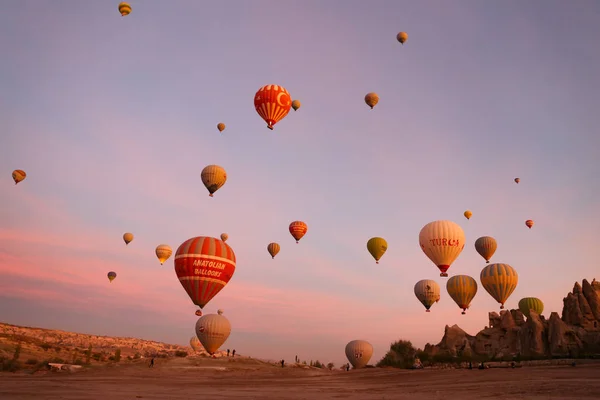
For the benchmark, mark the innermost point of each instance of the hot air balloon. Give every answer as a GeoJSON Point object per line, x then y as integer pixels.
{"type": "Point", "coordinates": [221, 126]}
{"type": "Point", "coordinates": [198, 313]}
{"type": "Point", "coordinates": [127, 237]}
{"type": "Point", "coordinates": [163, 252]}
{"type": "Point", "coordinates": [272, 103]}
{"type": "Point", "coordinates": [18, 175]}
{"type": "Point", "coordinates": [124, 8]}
{"type": "Point", "coordinates": [298, 229]}
{"type": "Point", "coordinates": [468, 214]}
{"type": "Point", "coordinates": [359, 353]}
{"type": "Point", "coordinates": [111, 276]}
{"type": "Point", "coordinates": [213, 177]}
{"type": "Point", "coordinates": [402, 37]}
{"type": "Point", "coordinates": [204, 265]}
{"type": "Point", "coordinates": [529, 223]}
{"type": "Point", "coordinates": [372, 99]}
{"type": "Point", "coordinates": [296, 105]}
{"type": "Point", "coordinates": [531, 303]}
{"type": "Point", "coordinates": [428, 292]}
{"type": "Point", "coordinates": [220, 311]}
{"type": "Point", "coordinates": [195, 343]}
{"type": "Point", "coordinates": [442, 242]}
{"type": "Point", "coordinates": [486, 247]}
{"type": "Point", "coordinates": [212, 330]}
{"type": "Point", "coordinates": [377, 247]}
{"type": "Point", "coordinates": [224, 237]}
{"type": "Point", "coordinates": [462, 289]}
{"type": "Point", "coordinates": [499, 280]}
{"type": "Point", "coordinates": [273, 249]}
{"type": "Point", "coordinates": [517, 180]}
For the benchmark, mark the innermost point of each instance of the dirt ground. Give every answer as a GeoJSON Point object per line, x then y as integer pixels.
{"type": "Point", "coordinates": [191, 378]}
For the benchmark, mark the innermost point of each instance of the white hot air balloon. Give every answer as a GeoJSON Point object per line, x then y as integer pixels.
{"type": "Point", "coordinates": [212, 331]}
{"type": "Point", "coordinates": [428, 292]}
{"type": "Point", "coordinates": [359, 353]}
{"type": "Point", "coordinates": [195, 343]}
{"type": "Point", "coordinates": [442, 242]}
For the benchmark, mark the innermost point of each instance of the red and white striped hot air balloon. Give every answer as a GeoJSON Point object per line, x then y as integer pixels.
{"type": "Point", "coordinates": [204, 265]}
{"type": "Point", "coordinates": [298, 229]}
{"type": "Point", "coordinates": [272, 103]}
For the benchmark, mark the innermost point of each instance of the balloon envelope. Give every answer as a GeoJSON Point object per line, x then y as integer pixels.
{"type": "Point", "coordinates": [462, 289]}
{"type": "Point", "coordinates": [402, 37]}
{"type": "Point", "coordinates": [428, 292]}
{"type": "Point", "coordinates": [499, 280]}
{"type": "Point", "coordinates": [442, 242]}
{"type": "Point", "coordinates": [527, 304]}
{"type": "Point", "coordinates": [298, 229]}
{"type": "Point", "coordinates": [213, 178]}
{"type": "Point", "coordinates": [204, 265]}
{"type": "Point", "coordinates": [224, 237]}
{"type": "Point", "coordinates": [486, 247]}
{"type": "Point", "coordinates": [18, 175]}
{"type": "Point", "coordinates": [195, 343]}
{"type": "Point", "coordinates": [272, 103]}
{"type": "Point", "coordinates": [273, 249]}
{"type": "Point", "coordinates": [111, 276]}
{"type": "Point", "coordinates": [212, 331]}
{"type": "Point", "coordinates": [372, 99]}
{"type": "Point", "coordinates": [359, 352]}
{"type": "Point", "coordinates": [468, 214]}
{"type": "Point", "coordinates": [127, 237]}
{"type": "Point", "coordinates": [377, 247]}
{"type": "Point", "coordinates": [163, 252]}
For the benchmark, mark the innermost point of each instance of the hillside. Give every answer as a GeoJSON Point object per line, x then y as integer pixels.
{"type": "Point", "coordinates": [39, 345]}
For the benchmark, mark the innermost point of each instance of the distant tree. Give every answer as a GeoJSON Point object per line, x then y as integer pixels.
{"type": "Point", "coordinates": [330, 365]}
{"type": "Point", "coordinates": [118, 355]}
{"type": "Point", "coordinates": [88, 354]}
{"type": "Point", "coordinates": [401, 355]}
{"type": "Point", "coordinates": [17, 352]}
{"type": "Point", "coordinates": [318, 364]}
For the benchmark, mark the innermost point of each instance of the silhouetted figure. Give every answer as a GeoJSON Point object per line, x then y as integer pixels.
{"type": "Point", "coordinates": [151, 363]}
{"type": "Point", "coordinates": [233, 353]}
{"type": "Point", "coordinates": [481, 366]}
{"type": "Point", "coordinates": [282, 363]}
{"type": "Point", "coordinates": [513, 364]}
{"type": "Point", "coordinates": [470, 365]}
{"type": "Point", "coordinates": [296, 359]}
{"type": "Point", "coordinates": [347, 367]}
{"type": "Point", "coordinates": [227, 352]}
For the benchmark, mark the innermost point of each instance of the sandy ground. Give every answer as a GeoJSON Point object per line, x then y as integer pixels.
{"type": "Point", "coordinates": [251, 379]}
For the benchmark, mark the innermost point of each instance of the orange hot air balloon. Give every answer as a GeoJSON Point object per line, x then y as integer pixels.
{"type": "Point", "coordinates": [517, 180]}
{"type": "Point", "coordinates": [298, 229]}
{"type": "Point", "coordinates": [272, 103]}
{"type": "Point", "coordinates": [18, 175]}
{"type": "Point", "coordinates": [198, 313]}
{"type": "Point", "coordinates": [529, 223]}
{"type": "Point", "coordinates": [273, 249]}
{"type": "Point", "coordinates": [204, 265]}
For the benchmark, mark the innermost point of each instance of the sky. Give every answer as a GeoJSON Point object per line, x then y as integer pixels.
{"type": "Point", "coordinates": [113, 119]}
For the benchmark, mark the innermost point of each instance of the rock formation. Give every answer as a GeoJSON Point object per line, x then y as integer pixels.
{"type": "Point", "coordinates": [510, 334]}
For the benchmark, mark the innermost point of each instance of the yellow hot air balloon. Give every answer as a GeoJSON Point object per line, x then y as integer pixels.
{"type": "Point", "coordinates": [296, 105]}
{"type": "Point", "coordinates": [428, 292]}
{"type": "Point", "coordinates": [442, 242]}
{"type": "Point", "coordinates": [499, 280]}
{"type": "Point", "coordinates": [221, 126]}
{"type": "Point", "coordinates": [213, 177]}
{"type": "Point", "coordinates": [372, 99]}
{"type": "Point", "coordinates": [163, 252]}
{"type": "Point", "coordinates": [273, 249]}
{"type": "Point", "coordinates": [402, 37]}
{"type": "Point", "coordinates": [195, 344]}
{"type": "Point", "coordinates": [462, 289]}
{"type": "Point", "coordinates": [486, 247]}
{"type": "Point", "coordinates": [224, 237]}
{"type": "Point", "coordinates": [531, 303]}
{"type": "Point", "coordinates": [127, 237]}
{"type": "Point", "coordinates": [359, 352]}
{"type": "Point", "coordinates": [124, 8]}
{"type": "Point", "coordinates": [377, 247]}
{"type": "Point", "coordinates": [212, 331]}
{"type": "Point", "coordinates": [18, 175]}
{"type": "Point", "coordinates": [468, 214]}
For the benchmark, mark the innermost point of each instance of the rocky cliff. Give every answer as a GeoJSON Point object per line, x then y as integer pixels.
{"type": "Point", "coordinates": [574, 334]}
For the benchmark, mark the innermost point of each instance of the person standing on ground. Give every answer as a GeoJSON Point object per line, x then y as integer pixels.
{"type": "Point", "coordinates": [151, 363]}
{"type": "Point", "coordinates": [233, 353]}
{"type": "Point", "coordinates": [227, 352]}
{"type": "Point", "coordinates": [282, 363]}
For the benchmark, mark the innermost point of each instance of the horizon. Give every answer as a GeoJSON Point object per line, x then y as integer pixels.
{"type": "Point", "coordinates": [113, 119]}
